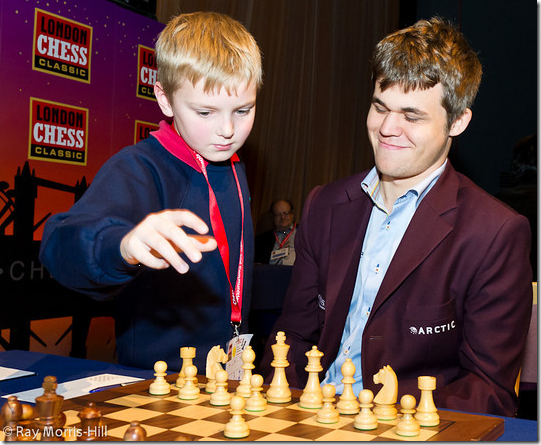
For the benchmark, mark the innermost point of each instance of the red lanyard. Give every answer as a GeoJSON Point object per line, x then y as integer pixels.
{"type": "Point", "coordinates": [221, 238]}
{"type": "Point", "coordinates": [281, 244]}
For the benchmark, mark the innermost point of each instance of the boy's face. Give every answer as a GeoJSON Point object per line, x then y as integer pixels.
{"type": "Point", "coordinates": [408, 131]}
{"type": "Point", "coordinates": [214, 124]}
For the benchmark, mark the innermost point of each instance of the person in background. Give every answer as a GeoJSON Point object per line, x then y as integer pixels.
{"type": "Point", "coordinates": [145, 232]}
{"type": "Point", "coordinates": [411, 264]}
{"type": "Point", "coordinates": [277, 246]}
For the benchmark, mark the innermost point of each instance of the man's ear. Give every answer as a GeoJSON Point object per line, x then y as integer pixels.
{"type": "Point", "coordinates": [461, 123]}
{"type": "Point", "coordinates": [163, 100]}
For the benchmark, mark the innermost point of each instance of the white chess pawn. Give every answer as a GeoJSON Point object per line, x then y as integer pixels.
{"type": "Point", "coordinates": [366, 420]}
{"type": "Point", "coordinates": [248, 356]}
{"type": "Point", "coordinates": [160, 386]}
{"type": "Point", "coordinates": [236, 428]}
{"type": "Point", "coordinates": [190, 390]}
{"type": "Point", "coordinates": [407, 426]}
{"type": "Point", "coordinates": [348, 404]}
{"type": "Point", "coordinates": [220, 397]}
{"type": "Point", "coordinates": [328, 413]}
{"type": "Point", "coordinates": [256, 402]}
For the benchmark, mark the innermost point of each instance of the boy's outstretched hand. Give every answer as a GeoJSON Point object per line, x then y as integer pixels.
{"type": "Point", "coordinates": [157, 240]}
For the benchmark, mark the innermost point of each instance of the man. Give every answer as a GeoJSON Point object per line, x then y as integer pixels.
{"type": "Point", "coordinates": [411, 264]}
{"type": "Point", "coordinates": [277, 246]}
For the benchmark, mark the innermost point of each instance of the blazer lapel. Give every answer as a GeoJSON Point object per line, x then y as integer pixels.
{"type": "Point", "coordinates": [425, 231]}
{"type": "Point", "coordinates": [348, 227]}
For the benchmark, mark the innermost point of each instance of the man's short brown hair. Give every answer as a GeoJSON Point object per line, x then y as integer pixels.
{"type": "Point", "coordinates": [425, 54]}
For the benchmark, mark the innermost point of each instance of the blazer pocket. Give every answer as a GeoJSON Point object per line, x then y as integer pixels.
{"type": "Point", "coordinates": [432, 332]}
{"type": "Point", "coordinates": [431, 313]}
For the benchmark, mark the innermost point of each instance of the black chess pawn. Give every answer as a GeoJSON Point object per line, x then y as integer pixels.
{"type": "Point", "coordinates": [135, 433]}
{"type": "Point", "coordinates": [11, 413]}
{"type": "Point", "coordinates": [90, 423]}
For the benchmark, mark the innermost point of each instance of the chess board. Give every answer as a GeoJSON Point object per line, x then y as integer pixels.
{"type": "Point", "coordinates": [167, 418]}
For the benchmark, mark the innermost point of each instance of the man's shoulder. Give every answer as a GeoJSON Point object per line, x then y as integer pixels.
{"type": "Point", "coordinates": [343, 189]}
{"type": "Point", "coordinates": [472, 195]}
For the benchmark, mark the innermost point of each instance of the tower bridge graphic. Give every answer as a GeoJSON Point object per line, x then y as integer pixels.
{"type": "Point", "coordinates": [27, 291]}
{"type": "Point", "coordinates": [18, 204]}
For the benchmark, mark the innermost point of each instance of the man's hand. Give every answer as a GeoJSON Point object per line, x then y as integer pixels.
{"type": "Point", "coordinates": [157, 240]}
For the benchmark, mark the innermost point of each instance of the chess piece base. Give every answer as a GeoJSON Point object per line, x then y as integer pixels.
{"type": "Point", "coordinates": [329, 419]}
{"type": "Point", "coordinates": [385, 412]}
{"type": "Point", "coordinates": [366, 426]}
{"type": "Point", "coordinates": [427, 419]}
{"type": "Point", "coordinates": [189, 395]}
{"type": "Point", "coordinates": [234, 432]}
{"type": "Point", "coordinates": [159, 390]}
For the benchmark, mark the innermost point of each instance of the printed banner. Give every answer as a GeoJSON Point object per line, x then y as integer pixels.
{"type": "Point", "coordinates": [61, 46]}
{"type": "Point", "coordinates": [58, 132]}
{"type": "Point", "coordinates": [143, 129]}
{"type": "Point", "coordinates": [147, 72]}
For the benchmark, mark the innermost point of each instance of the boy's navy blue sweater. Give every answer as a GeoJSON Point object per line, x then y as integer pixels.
{"type": "Point", "coordinates": [156, 311]}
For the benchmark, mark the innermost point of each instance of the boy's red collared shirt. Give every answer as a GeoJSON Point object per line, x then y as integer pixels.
{"type": "Point", "coordinates": [174, 144]}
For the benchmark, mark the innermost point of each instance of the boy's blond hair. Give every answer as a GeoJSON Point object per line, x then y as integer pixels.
{"type": "Point", "coordinates": [209, 46]}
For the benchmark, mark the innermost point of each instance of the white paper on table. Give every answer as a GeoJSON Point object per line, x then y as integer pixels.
{"type": "Point", "coordinates": [79, 387]}
{"type": "Point", "coordinates": [12, 373]}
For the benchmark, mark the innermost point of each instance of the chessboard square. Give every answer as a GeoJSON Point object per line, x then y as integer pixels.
{"type": "Point", "coordinates": [201, 399]}
{"type": "Point", "coordinates": [421, 437]}
{"type": "Point", "coordinates": [171, 436]}
{"type": "Point", "coordinates": [72, 417]}
{"type": "Point", "coordinates": [162, 406]}
{"type": "Point", "coordinates": [133, 400]}
{"type": "Point", "coordinates": [346, 436]}
{"type": "Point", "coordinates": [225, 416]}
{"type": "Point", "coordinates": [118, 432]}
{"type": "Point", "coordinates": [277, 437]}
{"type": "Point", "coordinates": [200, 428]}
{"type": "Point", "coordinates": [166, 421]}
{"type": "Point", "coordinates": [196, 411]}
{"type": "Point", "coordinates": [300, 408]}
{"type": "Point", "coordinates": [291, 414]}
{"type": "Point", "coordinates": [268, 410]}
{"type": "Point", "coordinates": [268, 424]}
{"type": "Point", "coordinates": [307, 431]}
{"type": "Point", "coordinates": [132, 414]}
{"type": "Point", "coordinates": [342, 422]}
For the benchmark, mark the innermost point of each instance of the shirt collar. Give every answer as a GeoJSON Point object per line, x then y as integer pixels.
{"type": "Point", "coordinates": [289, 229]}
{"type": "Point", "coordinates": [176, 145]}
{"type": "Point", "coordinates": [371, 184]}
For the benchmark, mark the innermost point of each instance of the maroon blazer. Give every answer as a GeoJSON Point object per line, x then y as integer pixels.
{"type": "Point", "coordinates": [454, 304]}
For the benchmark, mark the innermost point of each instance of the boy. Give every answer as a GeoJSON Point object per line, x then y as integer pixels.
{"type": "Point", "coordinates": [169, 201]}
{"type": "Point", "coordinates": [411, 264]}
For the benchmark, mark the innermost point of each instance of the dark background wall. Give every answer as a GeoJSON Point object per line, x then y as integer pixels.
{"type": "Point", "coordinates": [505, 36]}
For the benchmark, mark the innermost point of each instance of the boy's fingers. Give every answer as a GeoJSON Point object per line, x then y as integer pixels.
{"type": "Point", "coordinates": [188, 219]}
{"type": "Point", "coordinates": [205, 243]}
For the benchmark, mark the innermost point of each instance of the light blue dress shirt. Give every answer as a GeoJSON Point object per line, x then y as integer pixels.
{"type": "Point", "coordinates": [383, 235]}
